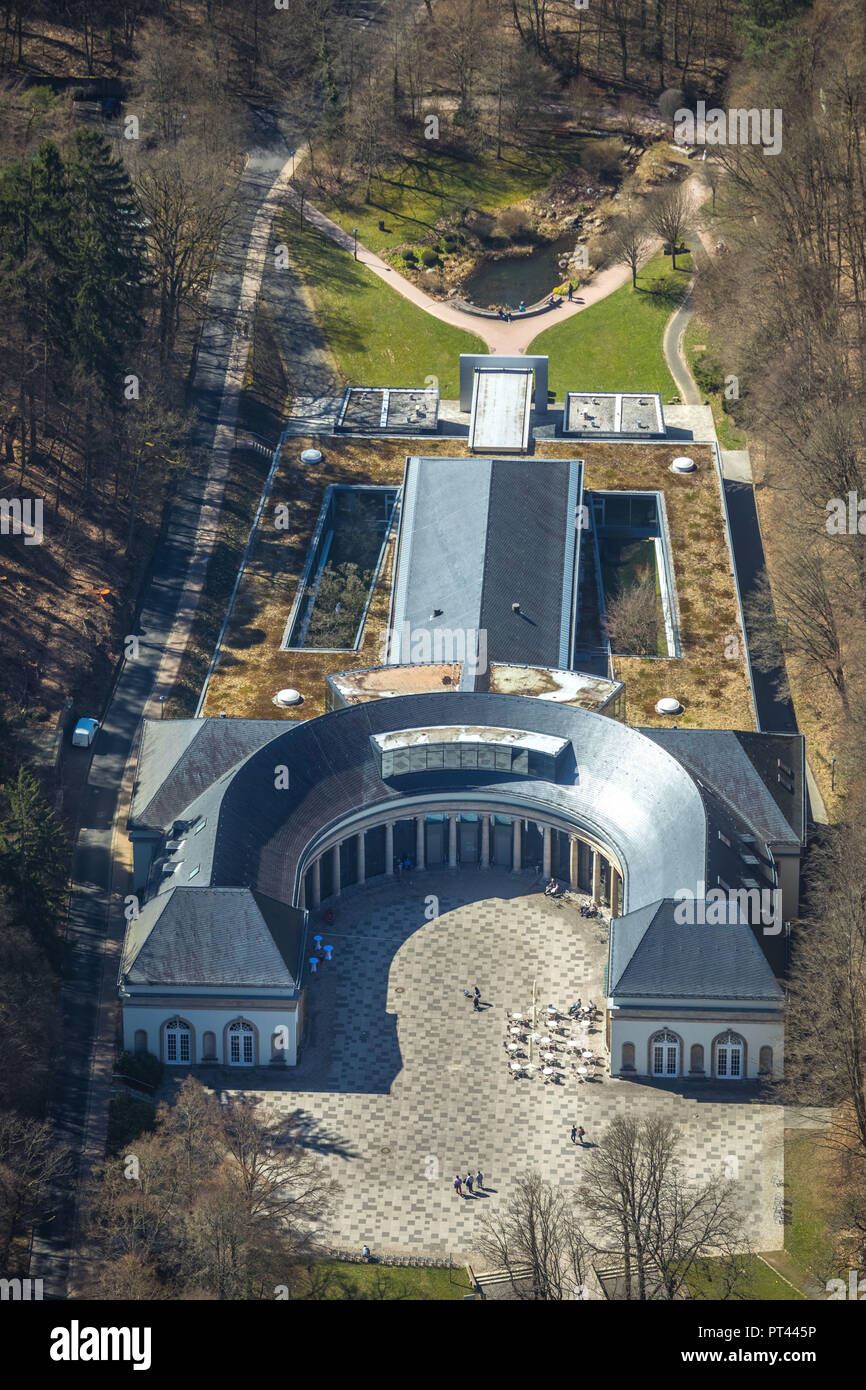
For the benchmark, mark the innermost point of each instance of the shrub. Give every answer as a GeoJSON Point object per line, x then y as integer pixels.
{"type": "Point", "coordinates": [409, 257]}
{"type": "Point", "coordinates": [128, 1119]}
{"type": "Point", "coordinates": [429, 257]}
{"type": "Point", "coordinates": [708, 373]}
{"type": "Point", "coordinates": [141, 1066]}
{"type": "Point", "coordinates": [602, 159]}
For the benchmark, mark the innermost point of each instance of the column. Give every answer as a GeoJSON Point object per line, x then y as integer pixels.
{"type": "Point", "coordinates": [516, 845]}
{"type": "Point", "coordinates": [317, 883]}
{"type": "Point", "coordinates": [596, 876]}
{"type": "Point", "coordinates": [337, 889]}
{"type": "Point", "coordinates": [547, 841]}
{"type": "Point", "coordinates": [573, 860]}
{"type": "Point", "coordinates": [452, 841]}
{"type": "Point", "coordinates": [615, 892]}
{"type": "Point", "coordinates": [362, 857]}
{"type": "Point", "coordinates": [389, 848]}
{"type": "Point", "coordinates": [302, 899]}
{"type": "Point", "coordinates": [419, 841]}
{"type": "Point", "coordinates": [485, 842]}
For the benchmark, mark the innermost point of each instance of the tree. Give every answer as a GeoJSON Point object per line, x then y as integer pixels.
{"type": "Point", "coordinates": [630, 241]}
{"type": "Point", "coordinates": [825, 1030]}
{"type": "Point", "coordinates": [537, 1241]}
{"type": "Point", "coordinates": [637, 1189]}
{"type": "Point", "coordinates": [670, 216]}
{"type": "Point", "coordinates": [34, 849]}
{"type": "Point", "coordinates": [631, 621]}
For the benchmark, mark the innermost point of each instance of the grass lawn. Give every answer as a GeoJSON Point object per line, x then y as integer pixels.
{"type": "Point", "coordinates": [415, 198]}
{"type": "Point", "coordinates": [809, 1188]}
{"type": "Point", "coordinates": [377, 338]}
{"type": "Point", "coordinates": [338, 1279]}
{"type": "Point", "coordinates": [698, 333]}
{"type": "Point", "coordinates": [616, 345]}
{"type": "Point", "coordinates": [759, 1282]}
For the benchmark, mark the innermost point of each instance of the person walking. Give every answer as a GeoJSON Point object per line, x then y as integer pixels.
{"type": "Point", "coordinates": [479, 1180]}
{"type": "Point", "coordinates": [570, 291]}
{"type": "Point", "coordinates": [476, 1003]}
{"type": "Point", "coordinates": [580, 1133]}
{"type": "Point", "coordinates": [458, 1185]}
{"type": "Point", "coordinates": [365, 1253]}
{"type": "Point", "coordinates": [469, 1180]}
{"type": "Point", "coordinates": [574, 1134]}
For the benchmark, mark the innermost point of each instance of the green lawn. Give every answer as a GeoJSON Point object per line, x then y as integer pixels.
{"type": "Point", "coordinates": [419, 194]}
{"type": "Point", "coordinates": [616, 345]}
{"type": "Point", "coordinates": [810, 1202]}
{"type": "Point", "coordinates": [377, 338]}
{"type": "Point", "coordinates": [697, 332]}
{"type": "Point", "coordinates": [336, 1279]}
{"type": "Point", "coordinates": [758, 1283]}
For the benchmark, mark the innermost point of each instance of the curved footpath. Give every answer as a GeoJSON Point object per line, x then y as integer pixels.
{"type": "Point", "coordinates": [509, 338]}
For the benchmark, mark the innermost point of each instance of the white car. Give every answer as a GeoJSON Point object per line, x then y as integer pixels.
{"type": "Point", "coordinates": [84, 733]}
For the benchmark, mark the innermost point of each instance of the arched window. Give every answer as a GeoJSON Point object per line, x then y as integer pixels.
{"type": "Point", "coordinates": [729, 1057]}
{"type": "Point", "coordinates": [765, 1061]}
{"type": "Point", "coordinates": [140, 1043]}
{"type": "Point", "coordinates": [628, 1056]}
{"type": "Point", "coordinates": [208, 1047]}
{"type": "Point", "coordinates": [178, 1041]}
{"type": "Point", "coordinates": [665, 1054]}
{"type": "Point", "coordinates": [241, 1044]}
{"type": "Point", "coordinates": [697, 1057]}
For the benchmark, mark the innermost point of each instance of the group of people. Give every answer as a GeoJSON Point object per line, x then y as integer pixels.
{"type": "Point", "coordinates": [470, 1182]}
{"type": "Point", "coordinates": [475, 997]}
{"type": "Point", "coordinates": [552, 889]}
{"type": "Point", "coordinates": [589, 909]}
{"type": "Point", "coordinates": [581, 1010]}
{"type": "Point", "coordinates": [402, 862]}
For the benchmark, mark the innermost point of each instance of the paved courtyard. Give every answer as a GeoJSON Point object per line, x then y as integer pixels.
{"type": "Point", "coordinates": [401, 1083]}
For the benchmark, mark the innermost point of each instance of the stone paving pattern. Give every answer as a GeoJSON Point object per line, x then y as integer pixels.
{"type": "Point", "coordinates": [401, 1083]}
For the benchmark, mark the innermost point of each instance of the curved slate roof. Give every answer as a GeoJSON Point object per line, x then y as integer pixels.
{"type": "Point", "coordinates": [616, 783]}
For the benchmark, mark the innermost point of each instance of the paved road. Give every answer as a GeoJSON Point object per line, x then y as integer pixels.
{"type": "Point", "coordinates": [95, 930]}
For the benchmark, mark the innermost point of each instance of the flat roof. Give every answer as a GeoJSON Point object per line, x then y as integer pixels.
{"type": "Point", "coordinates": [628, 414]}
{"type": "Point", "coordinates": [536, 682]}
{"type": "Point", "coordinates": [378, 409]}
{"type": "Point", "coordinates": [501, 408]}
{"type": "Point", "coordinates": [472, 533]}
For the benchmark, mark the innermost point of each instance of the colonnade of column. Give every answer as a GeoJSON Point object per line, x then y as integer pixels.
{"type": "Point", "coordinates": [313, 898]}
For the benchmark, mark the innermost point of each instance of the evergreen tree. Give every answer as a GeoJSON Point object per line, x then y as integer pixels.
{"type": "Point", "coordinates": [34, 850]}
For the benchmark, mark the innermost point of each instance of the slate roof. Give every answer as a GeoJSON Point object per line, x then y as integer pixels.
{"type": "Point", "coordinates": [471, 537]}
{"type": "Point", "coordinates": [180, 758]}
{"type": "Point", "coordinates": [636, 793]}
{"type": "Point", "coordinates": [729, 760]}
{"type": "Point", "coordinates": [654, 956]}
{"type": "Point", "coordinates": [214, 937]}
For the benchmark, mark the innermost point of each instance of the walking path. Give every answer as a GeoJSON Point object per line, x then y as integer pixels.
{"type": "Point", "coordinates": [100, 873]}
{"type": "Point", "coordinates": [500, 337]}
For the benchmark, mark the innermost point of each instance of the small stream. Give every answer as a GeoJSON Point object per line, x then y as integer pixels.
{"type": "Point", "coordinates": [507, 280]}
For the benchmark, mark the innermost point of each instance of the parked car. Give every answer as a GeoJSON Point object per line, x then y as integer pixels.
{"type": "Point", "coordinates": [84, 733]}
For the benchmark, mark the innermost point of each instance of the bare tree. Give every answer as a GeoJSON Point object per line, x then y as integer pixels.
{"type": "Point", "coordinates": [536, 1239]}
{"type": "Point", "coordinates": [631, 621]}
{"type": "Point", "coordinates": [630, 241]}
{"type": "Point", "coordinates": [670, 216]}
{"type": "Point", "coordinates": [667, 1226]}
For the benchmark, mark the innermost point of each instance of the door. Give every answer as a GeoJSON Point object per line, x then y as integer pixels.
{"type": "Point", "coordinates": [468, 841]}
{"type": "Point", "coordinates": [665, 1055]}
{"type": "Point", "coordinates": [501, 847]}
{"type": "Point", "coordinates": [435, 843]}
{"type": "Point", "coordinates": [729, 1059]}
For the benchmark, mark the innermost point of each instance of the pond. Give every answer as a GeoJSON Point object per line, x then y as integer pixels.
{"type": "Point", "coordinates": [510, 279]}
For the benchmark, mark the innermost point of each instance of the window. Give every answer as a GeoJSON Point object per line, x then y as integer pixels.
{"type": "Point", "coordinates": [729, 1057]}
{"type": "Point", "coordinates": [140, 1044]}
{"type": "Point", "coordinates": [628, 1056]}
{"type": "Point", "coordinates": [178, 1040]}
{"type": "Point", "coordinates": [241, 1044]}
{"type": "Point", "coordinates": [208, 1047]}
{"type": "Point", "coordinates": [665, 1054]}
{"type": "Point", "coordinates": [765, 1061]}
{"type": "Point", "coordinates": [697, 1057]}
